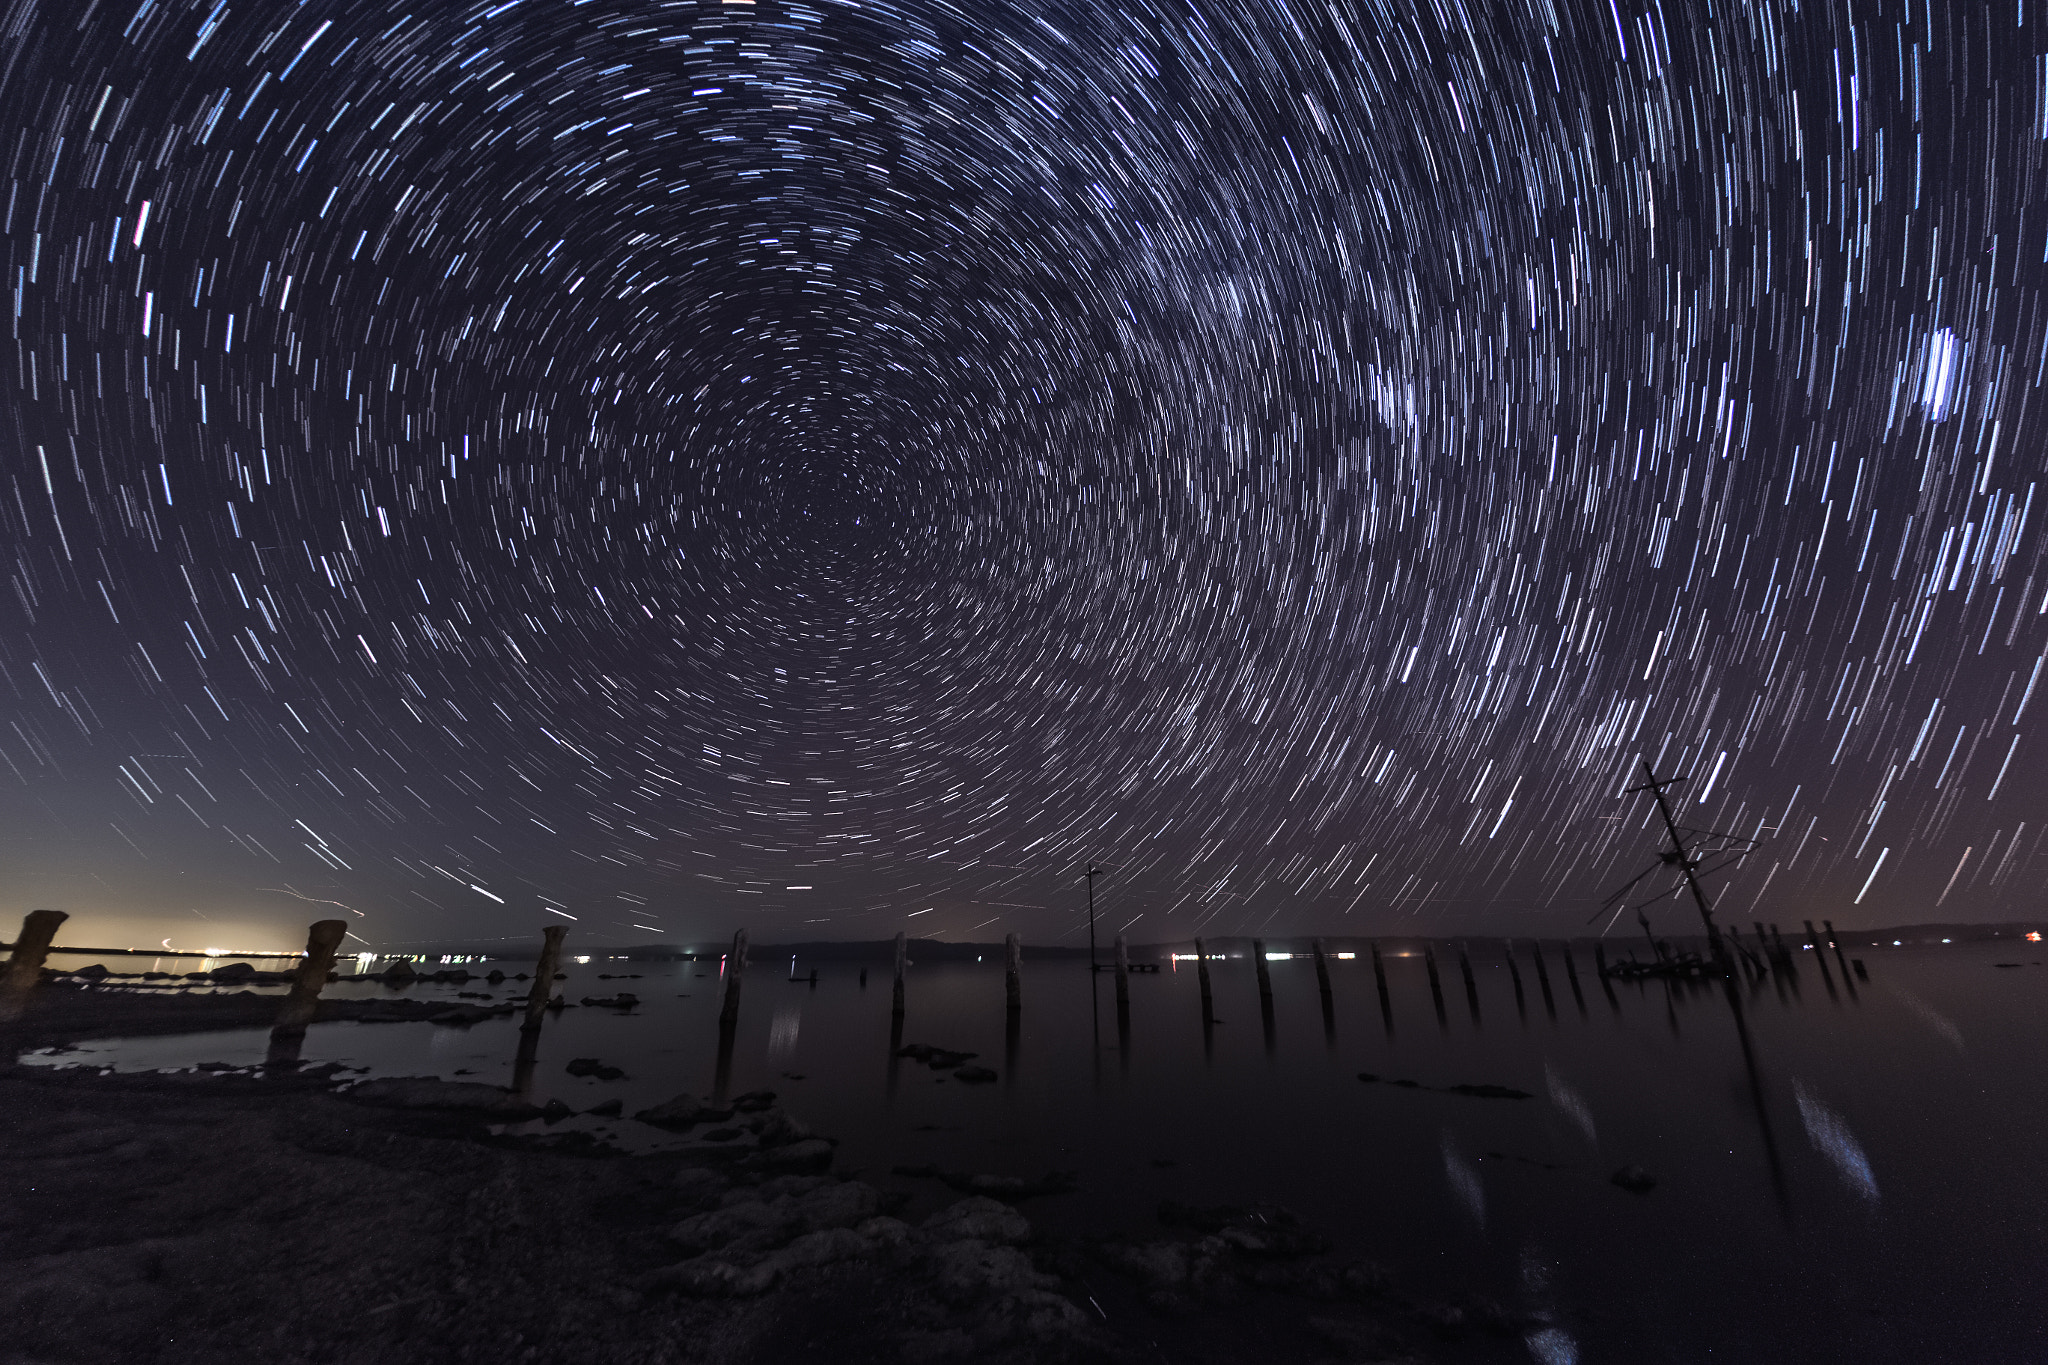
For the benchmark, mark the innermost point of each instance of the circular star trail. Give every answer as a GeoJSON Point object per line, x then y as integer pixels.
{"type": "Point", "coordinates": [840, 467]}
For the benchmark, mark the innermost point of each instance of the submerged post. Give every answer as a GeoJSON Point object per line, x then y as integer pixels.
{"type": "Point", "coordinates": [735, 970]}
{"type": "Point", "coordinates": [25, 966]}
{"type": "Point", "coordinates": [1123, 974]}
{"type": "Point", "coordinates": [544, 974]}
{"type": "Point", "coordinates": [1013, 971]}
{"type": "Point", "coordinates": [1202, 973]}
{"type": "Point", "coordinates": [1322, 971]}
{"type": "Point", "coordinates": [902, 956]}
{"type": "Point", "coordinates": [322, 938]}
{"type": "Point", "coordinates": [1265, 975]}
{"type": "Point", "coordinates": [1436, 985]}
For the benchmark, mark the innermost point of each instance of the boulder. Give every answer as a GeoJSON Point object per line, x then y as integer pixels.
{"type": "Point", "coordinates": [781, 1130]}
{"type": "Point", "coordinates": [968, 1270]}
{"type": "Point", "coordinates": [811, 1154]}
{"type": "Point", "coordinates": [1634, 1179]}
{"type": "Point", "coordinates": [591, 1066]}
{"type": "Point", "coordinates": [427, 1092]}
{"type": "Point", "coordinates": [974, 1075]}
{"type": "Point", "coordinates": [753, 1102]}
{"type": "Point", "coordinates": [978, 1219]}
{"type": "Point", "coordinates": [608, 1110]}
{"type": "Point", "coordinates": [235, 973]}
{"type": "Point", "coordinates": [401, 970]}
{"type": "Point", "coordinates": [684, 1111]}
{"type": "Point", "coordinates": [93, 972]}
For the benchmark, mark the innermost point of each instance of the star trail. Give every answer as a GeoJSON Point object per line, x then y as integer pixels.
{"type": "Point", "coordinates": [838, 467]}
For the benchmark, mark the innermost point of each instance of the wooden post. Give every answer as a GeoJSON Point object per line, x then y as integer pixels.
{"type": "Point", "coordinates": [1840, 961]}
{"type": "Point", "coordinates": [1436, 985]}
{"type": "Point", "coordinates": [1265, 976]}
{"type": "Point", "coordinates": [1322, 971]}
{"type": "Point", "coordinates": [544, 974]}
{"type": "Point", "coordinates": [1543, 976]}
{"type": "Point", "coordinates": [322, 938]}
{"type": "Point", "coordinates": [735, 969]}
{"type": "Point", "coordinates": [1471, 986]}
{"type": "Point", "coordinates": [25, 967]}
{"type": "Point", "coordinates": [902, 957]}
{"type": "Point", "coordinates": [1379, 976]}
{"type": "Point", "coordinates": [1013, 972]}
{"type": "Point", "coordinates": [1123, 974]}
{"type": "Point", "coordinates": [1202, 972]}
{"type": "Point", "coordinates": [1571, 974]}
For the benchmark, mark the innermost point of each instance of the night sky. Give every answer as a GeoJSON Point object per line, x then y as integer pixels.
{"type": "Point", "coordinates": [836, 468]}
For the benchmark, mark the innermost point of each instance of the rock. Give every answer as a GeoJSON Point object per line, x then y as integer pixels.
{"type": "Point", "coordinates": [720, 1135]}
{"type": "Point", "coordinates": [937, 1058]}
{"type": "Point", "coordinates": [684, 1111]}
{"type": "Point", "coordinates": [974, 1075]}
{"type": "Point", "coordinates": [781, 1130]}
{"type": "Point", "coordinates": [624, 1000]}
{"type": "Point", "coordinates": [608, 1110]}
{"type": "Point", "coordinates": [707, 1278]}
{"type": "Point", "coordinates": [235, 973]}
{"type": "Point", "coordinates": [967, 1270]}
{"type": "Point", "coordinates": [495, 976]}
{"type": "Point", "coordinates": [427, 1092]}
{"type": "Point", "coordinates": [884, 1231]}
{"type": "Point", "coordinates": [555, 1111]}
{"type": "Point", "coordinates": [837, 1204]}
{"type": "Point", "coordinates": [591, 1066]}
{"type": "Point", "coordinates": [699, 1185]}
{"type": "Point", "coordinates": [753, 1102]}
{"type": "Point", "coordinates": [1013, 1187]}
{"type": "Point", "coordinates": [811, 1154]}
{"type": "Point", "coordinates": [93, 972]}
{"type": "Point", "coordinates": [822, 1248]}
{"type": "Point", "coordinates": [1488, 1092]}
{"type": "Point", "coordinates": [1634, 1179]}
{"type": "Point", "coordinates": [400, 970]}
{"type": "Point", "coordinates": [978, 1219]}
{"type": "Point", "coordinates": [746, 1226]}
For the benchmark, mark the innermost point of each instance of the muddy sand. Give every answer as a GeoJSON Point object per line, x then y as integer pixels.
{"type": "Point", "coordinates": [290, 1216]}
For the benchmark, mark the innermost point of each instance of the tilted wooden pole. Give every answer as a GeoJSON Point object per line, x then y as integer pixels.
{"type": "Point", "coordinates": [902, 956]}
{"type": "Point", "coordinates": [544, 974]}
{"type": "Point", "coordinates": [1013, 971]}
{"type": "Point", "coordinates": [735, 968]}
{"type": "Point", "coordinates": [1202, 973]}
{"type": "Point", "coordinates": [1123, 973]}
{"type": "Point", "coordinates": [323, 937]}
{"type": "Point", "coordinates": [1265, 976]}
{"type": "Point", "coordinates": [25, 967]}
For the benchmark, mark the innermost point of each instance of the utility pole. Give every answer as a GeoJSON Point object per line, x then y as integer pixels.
{"type": "Point", "coordinates": [1678, 854]}
{"type": "Point", "coordinates": [1092, 873]}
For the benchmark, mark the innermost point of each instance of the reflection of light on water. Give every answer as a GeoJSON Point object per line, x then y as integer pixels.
{"type": "Point", "coordinates": [782, 1032]}
{"type": "Point", "coordinates": [1932, 1017]}
{"type": "Point", "coordinates": [1570, 1102]}
{"type": "Point", "coordinates": [1464, 1182]}
{"type": "Point", "coordinates": [1833, 1140]}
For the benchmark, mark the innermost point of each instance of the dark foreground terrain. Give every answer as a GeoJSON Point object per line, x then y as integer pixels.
{"type": "Point", "coordinates": [287, 1216]}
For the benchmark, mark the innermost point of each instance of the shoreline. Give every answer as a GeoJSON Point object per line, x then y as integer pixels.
{"type": "Point", "coordinates": [272, 1215]}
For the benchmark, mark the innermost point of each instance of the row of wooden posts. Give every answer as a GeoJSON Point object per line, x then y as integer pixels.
{"type": "Point", "coordinates": [38, 932]}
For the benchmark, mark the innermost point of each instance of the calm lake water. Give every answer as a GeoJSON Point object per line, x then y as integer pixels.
{"type": "Point", "coordinates": [1885, 1203]}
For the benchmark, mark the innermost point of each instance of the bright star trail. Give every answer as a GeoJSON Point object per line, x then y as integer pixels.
{"type": "Point", "coordinates": [685, 465]}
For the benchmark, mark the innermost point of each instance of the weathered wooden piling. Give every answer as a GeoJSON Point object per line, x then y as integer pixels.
{"type": "Point", "coordinates": [1013, 972]}
{"type": "Point", "coordinates": [322, 939]}
{"type": "Point", "coordinates": [902, 959]}
{"type": "Point", "coordinates": [1471, 984]}
{"type": "Point", "coordinates": [1123, 974]}
{"type": "Point", "coordinates": [1820, 956]}
{"type": "Point", "coordinates": [1379, 976]}
{"type": "Point", "coordinates": [1543, 976]}
{"type": "Point", "coordinates": [1840, 960]}
{"type": "Point", "coordinates": [1265, 976]}
{"type": "Point", "coordinates": [735, 974]}
{"type": "Point", "coordinates": [1571, 974]}
{"type": "Point", "coordinates": [25, 965]}
{"type": "Point", "coordinates": [1202, 974]}
{"type": "Point", "coordinates": [1322, 971]}
{"type": "Point", "coordinates": [1515, 974]}
{"type": "Point", "coordinates": [544, 974]}
{"type": "Point", "coordinates": [1436, 985]}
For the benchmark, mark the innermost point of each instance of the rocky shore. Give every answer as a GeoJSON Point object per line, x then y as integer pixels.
{"type": "Point", "coordinates": [291, 1216]}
